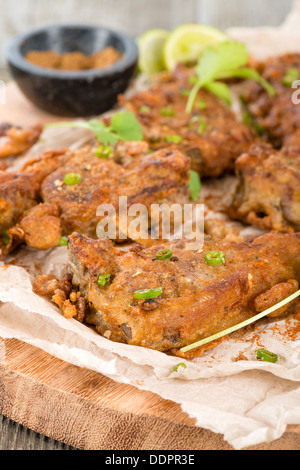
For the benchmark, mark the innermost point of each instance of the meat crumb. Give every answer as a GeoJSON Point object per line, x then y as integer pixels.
{"type": "Point", "coordinates": [241, 357]}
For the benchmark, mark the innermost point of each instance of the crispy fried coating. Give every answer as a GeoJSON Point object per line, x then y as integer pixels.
{"type": "Point", "coordinates": [41, 226]}
{"type": "Point", "coordinates": [268, 192]}
{"type": "Point", "coordinates": [58, 208]}
{"type": "Point", "coordinates": [16, 140]}
{"type": "Point", "coordinates": [277, 115]}
{"type": "Point", "coordinates": [18, 193]}
{"type": "Point", "coordinates": [197, 299]}
{"type": "Point", "coordinates": [211, 135]}
{"type": "Point", "coordinates": [154, 177]}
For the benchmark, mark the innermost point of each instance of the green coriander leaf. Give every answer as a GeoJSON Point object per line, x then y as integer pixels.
{"type": "Point", "coordinates": [194, 185]}
{"type": "Point", "coordinates": [221, 90]}
{"type": "Point", "coordinates": [291, 75]}
{"type": "Point", "coordinates": [227, 60]}
{"type": "Point", "coordinates": [252, 75]}
{"type": "Point", "coordinates": [227, 56]}
{"type": "Point", "coordinates": [101, 131]}
{"type": "Point", "coordinates": [126, 126]}
{"type": "Point", "coordinates": [104, 134]}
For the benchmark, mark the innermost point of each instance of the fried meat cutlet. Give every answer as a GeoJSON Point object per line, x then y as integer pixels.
{"type": "Point", "coordinates": [277, 116]}
{"type": "Point", "coordinates": [211, 134]}
{"type": "Point", "coordinates": [196, 300]}
{"type": "Point", "coordinates": [19, 193]}
{"type": "Point", "coordinates": [48, 207]}
{"type": "Point", "coordinates": [16, 140]}
{"type": "Point", "coordinates": [268, 190]}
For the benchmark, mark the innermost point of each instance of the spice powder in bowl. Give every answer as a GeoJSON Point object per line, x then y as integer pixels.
{"type": "Point", "coordinates": [74, 61]}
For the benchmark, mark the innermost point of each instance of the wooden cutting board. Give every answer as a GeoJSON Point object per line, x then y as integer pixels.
{"type": "Point", "coordinates": [83, 408]}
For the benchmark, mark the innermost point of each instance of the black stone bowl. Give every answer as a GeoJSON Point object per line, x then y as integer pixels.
{"type": "Point", "coordinates": [83, 93]}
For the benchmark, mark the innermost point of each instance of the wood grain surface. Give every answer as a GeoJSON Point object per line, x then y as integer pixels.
{"type": "Point", "coordinates": [88, 411]}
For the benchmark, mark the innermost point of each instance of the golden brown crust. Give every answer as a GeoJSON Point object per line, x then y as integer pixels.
{"type": "Point", "coordinates": [277, 115]}
{"type": "Point", "coordinates": [268, 191]}
{"type": "Point", "coordinates": [197, 299]}
{"type": "Point", "coordinates": [213, 141]}
{"type": "Point", "coordinates": [131, 171]}
{"type": "Point", "coordinates": [15, 140]}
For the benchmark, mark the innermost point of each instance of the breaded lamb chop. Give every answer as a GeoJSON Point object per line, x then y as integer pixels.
{"type": "Point", "coordinates": [193, 299]}
{"type": "Point", "coordinates": [277, 116]}
{"type": "Point", "coordinates": [268, 191]}
{"type": "Point", "coordinates": [15, 140]}
{"type": "Point", "coordinates": [211, 134]}
{"type": "Point", "coordinates": [50, 206]}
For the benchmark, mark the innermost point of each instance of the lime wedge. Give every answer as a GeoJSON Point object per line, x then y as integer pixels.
{"type": "Point", "coordinates": [151, 46]}
{"type": "Point", "coordinates": [186, 43]}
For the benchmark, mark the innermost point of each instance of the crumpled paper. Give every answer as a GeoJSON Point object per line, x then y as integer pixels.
{"type": "Point", "coordinates": [248, 401]}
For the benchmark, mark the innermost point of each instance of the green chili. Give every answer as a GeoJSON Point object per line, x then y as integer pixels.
{"type": "Point", "coordinates": [5, 237]}
{"type": "Point", "coordinates": [181, 364]}
{"type": "Point", "coordinates": [215, 258]}
{"type": "Point", "coordinates": [72, 178]}
{"type": "Point", "coordinates": [103, 279]}
{"type": "Point", "coordinates": [267, 356]}
{"type": "Point", "coordinates": [176, 139]}
{"type": "Point", "coordinates": [163, 254]}
{"type": "Point", "coordinates": [167, 111]}
{"type": "Point", "coordinates": [147, 293]}
{"type": "Point", "coordinates": [103, 151]}
{"type": "Point", "coordinates": [63, 241]}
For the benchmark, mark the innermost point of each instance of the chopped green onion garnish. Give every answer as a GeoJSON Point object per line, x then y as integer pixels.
{"type": "Point", "coordinates": [167, 111]}
{"type": "Point", "coordinates": [249, 121]}
{"type": "Point", "coordinates": [215, 258]}
{"type": "Point", "coordinates": [291, 75]}
{"type": "Point", "coordinates": [202, 124]}
{"type": "Point", "coordinates": [193, 80]}
{"type": "Point", "coordinates": [103, 151]}
{"type": "Point", "coordinates": [200, 103]}
{"type": "Point", "coordinates": [163, 254]}
{"type": "Point", "coordinates": [266, 355]}
{"type": "Point", "coordinates": [176, 139]}
{"type": "Point", "coordinates": [144, 109]}
{"type": "Point", "coordinates": [185, 92]}
{"type": "Point", "coordinates": [5, 237]}
{"type": "Point", "coordinates": [194, 185]}
{"type": "Point", "coordinates": [63, 241]}
{"type": "Point", "coordinates": [103, 279]}
{"type": "Point", "coordinates": [181, 364]}
{"type": "Point", "coordinates": [241, 325]}
{"type": "Point", "coordinates": [147, 293]}
{"type": "Point", "coordinates": [72, 178]}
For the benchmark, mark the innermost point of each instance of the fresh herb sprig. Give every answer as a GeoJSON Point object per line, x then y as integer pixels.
{"type": "Point", "coordinates": [237, 327]}
{"type": "Point", "coordinates": [194, 185]}
{"type": "Point", "coordinates": [123, 126]}
{"type": "Point", "coordinates": [227, 60]}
